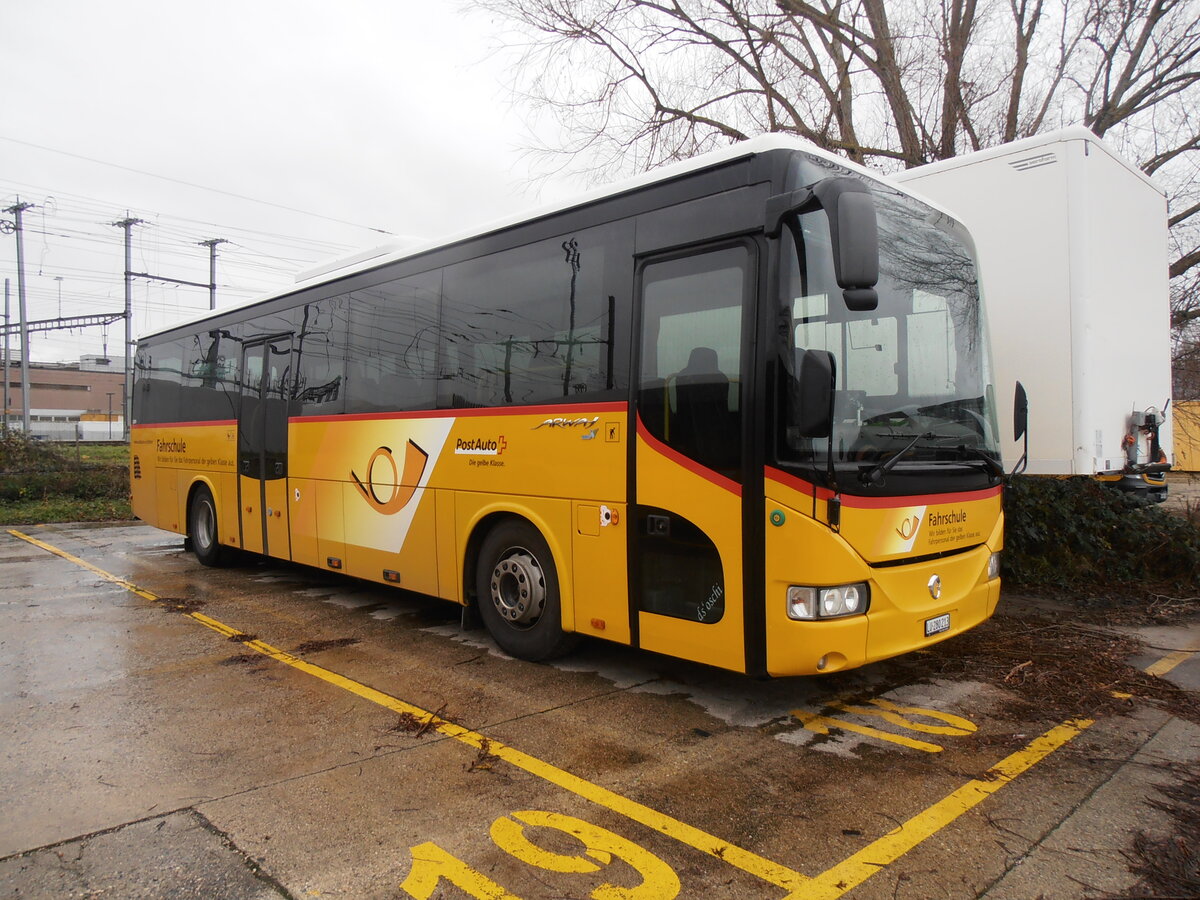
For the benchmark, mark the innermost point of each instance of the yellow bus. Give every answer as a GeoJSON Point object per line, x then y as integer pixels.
{"type": "Point", "coordinates": [736, 411]}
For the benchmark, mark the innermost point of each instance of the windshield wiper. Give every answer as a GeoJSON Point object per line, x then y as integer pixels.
{"type": "Point", "coordinates": [994, 468]}
{"type": "Point", "coordinates": [875, 474]}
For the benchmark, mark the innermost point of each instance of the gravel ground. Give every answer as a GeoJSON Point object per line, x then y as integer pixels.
{"type": "Point", "coordinates": [1184, 492]}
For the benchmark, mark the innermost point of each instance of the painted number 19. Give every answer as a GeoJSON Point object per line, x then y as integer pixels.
{"type": "Point", "coordinates": [431, 863]}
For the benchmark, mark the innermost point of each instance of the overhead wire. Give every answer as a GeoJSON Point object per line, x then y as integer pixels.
{"type": "Point", "coordinates": [190, 184]}
{"type": "Point", "coordinates": [95, 211]}
{"type": "Point", "coordinates": [81, 228]}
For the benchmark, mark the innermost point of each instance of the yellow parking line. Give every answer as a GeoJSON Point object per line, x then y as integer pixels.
{"type": "Point", "coordinates": [856, 869]}
{"type": "Point", "coordinates": [107, 576]}
{"type": "Point", "coordinates": [819, 724]}
{"type": "Point", "coordinates": [745, 860]}
{"type": "Point", "coordinates": [1170, 661]}
{"type": "Point", "coordinates": [830, 884]}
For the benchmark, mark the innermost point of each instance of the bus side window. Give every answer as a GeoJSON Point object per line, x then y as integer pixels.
{"type": "Point", "coordinates": [531, 324]}
{"type": "Point", "coordinates": [703, 416]}
{"type": "Point", "coordinates": [321, 331]}
{"type": "Point", "coordinates": [208, 391]}
{"type": "Point", "coordinates": [160, 375]}
{"type": "Point", "coordinates": [393, 344]}
{"type": "Point", "coordinates": [689, 390]}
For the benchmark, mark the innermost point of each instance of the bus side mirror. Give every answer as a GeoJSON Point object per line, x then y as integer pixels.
{"type": "Point", "coordinates": [1020, 413]}
{"type": "Point", "coordinates": [812, 394]}
{"type": "Point", "coordinates": [1021, 427]}
{"type": "Point", "coordinates": [853, 233]}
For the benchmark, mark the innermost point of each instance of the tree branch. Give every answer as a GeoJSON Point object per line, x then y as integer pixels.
{"type": "Point", "coordinates": [1183, 216]}
{"type": "Point", "coordinates": [1185, 262]}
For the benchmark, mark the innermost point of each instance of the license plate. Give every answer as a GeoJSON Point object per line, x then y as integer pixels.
{"type": "Point", "coordinates": [937, 625]}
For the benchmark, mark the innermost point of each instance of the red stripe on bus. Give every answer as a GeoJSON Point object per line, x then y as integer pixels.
{"type": "Point", "coordinates": [221, 422]}
{"type": "Point", "coordinates": [692, 466]}
{"type": "Point", "coordinates": [558, 411]}
{"type": "Point", "coordinates": [855, 502]}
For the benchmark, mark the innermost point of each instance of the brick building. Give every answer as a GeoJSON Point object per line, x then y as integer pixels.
{"type": "Point", "coordinates": [70, 401]}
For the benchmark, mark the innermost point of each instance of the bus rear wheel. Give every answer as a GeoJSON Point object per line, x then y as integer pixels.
{"type": "Point", "coordinates": [516, 586]}
{"type": "Point", "coordinates": [202, 528]}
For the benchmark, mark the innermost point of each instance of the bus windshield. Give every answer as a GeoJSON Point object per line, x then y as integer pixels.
{"type": "Point", "coordinates": [914, 407]}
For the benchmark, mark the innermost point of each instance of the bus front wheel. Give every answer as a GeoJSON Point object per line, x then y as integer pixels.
{"type": "Point", "coordinates": [202, 528]}
{"type": "Point", "coordinates": [516, 586]}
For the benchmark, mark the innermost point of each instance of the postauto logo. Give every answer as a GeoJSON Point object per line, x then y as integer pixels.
{"type": "Point", "coordinates": [478, 446]}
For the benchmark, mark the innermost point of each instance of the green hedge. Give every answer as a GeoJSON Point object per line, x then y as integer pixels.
{"type": "Point", "coordinates": [85, 483]}
{"type": "Point", "coordinates": [1076, 532]}
{"type": "Point", "coordinates": [31, 470]}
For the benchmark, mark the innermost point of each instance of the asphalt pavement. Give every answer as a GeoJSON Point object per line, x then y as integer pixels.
{"type": "Point", "coordinates": [271, 731]}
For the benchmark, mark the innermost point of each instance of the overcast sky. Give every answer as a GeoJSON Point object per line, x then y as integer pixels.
{"type": "Point", "coordinates": [374, 113]}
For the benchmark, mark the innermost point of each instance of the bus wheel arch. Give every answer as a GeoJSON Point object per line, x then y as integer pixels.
{"type": "Point", "coordinates": [203, 526]}
{"type": "Point", "coordinates": [517, 592]}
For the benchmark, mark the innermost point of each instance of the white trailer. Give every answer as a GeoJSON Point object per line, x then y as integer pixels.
{"type": "Point", "coordinates": [1072, 244]}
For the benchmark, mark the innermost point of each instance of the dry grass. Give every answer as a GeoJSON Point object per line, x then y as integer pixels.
{"type": "Point", "coordinates": [1064, 669]}
{"type": "Point", "coordinates": [417, 726]}
{"type": "Point", "coordinates": [1169, 866]}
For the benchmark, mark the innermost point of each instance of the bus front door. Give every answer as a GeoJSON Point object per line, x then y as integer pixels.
{"type": "Point", "coordinates": [687, 530]}
{"type": "Point", "coordinates": [262, 446]}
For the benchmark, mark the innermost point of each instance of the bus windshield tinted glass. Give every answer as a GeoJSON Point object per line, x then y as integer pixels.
{"type": "Point", "coordinates": [912, 376]}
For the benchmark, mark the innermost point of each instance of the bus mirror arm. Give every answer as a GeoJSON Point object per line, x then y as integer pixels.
{"type": "Point", "coordinates": [810, 398]}
{"type": "Point", "coordinates": [853, 233]}
{"type": "Point", "coordinates": [781, 206]}
{"type": "Point", "coordinates": [1021, 427]}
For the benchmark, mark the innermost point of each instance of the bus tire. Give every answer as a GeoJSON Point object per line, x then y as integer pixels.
{"type": "Point", "coordinates": [516, 587]}
{"type": "Point", "coordinates": [202, 528]}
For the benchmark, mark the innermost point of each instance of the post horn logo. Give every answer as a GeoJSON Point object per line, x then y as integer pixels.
{"type": "Point", "coordinates": [400, 488]}
{"type": "Point", "coordinates": [908, 528]}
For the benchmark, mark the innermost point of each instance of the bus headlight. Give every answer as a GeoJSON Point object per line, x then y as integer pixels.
{"type": "Point", "coordinates": [809, 603]}
{"type": "Point", "coordinates": [993, 566]}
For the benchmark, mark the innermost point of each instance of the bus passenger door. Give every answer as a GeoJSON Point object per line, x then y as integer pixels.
{"type": "Point", "coordinates": [262, 446]}
{"type": "Point", "coordinates": [686, 584]}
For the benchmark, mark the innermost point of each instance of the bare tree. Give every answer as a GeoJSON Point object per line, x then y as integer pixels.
{"type": "Point", "coordinates": [633, 84]}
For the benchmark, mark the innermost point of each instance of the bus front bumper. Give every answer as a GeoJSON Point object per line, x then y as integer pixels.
{"type": "Point", "coordinates": [911, 607]}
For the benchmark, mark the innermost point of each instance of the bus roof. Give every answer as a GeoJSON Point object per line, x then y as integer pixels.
{"type": "Point", "coordinates": [372, 258]}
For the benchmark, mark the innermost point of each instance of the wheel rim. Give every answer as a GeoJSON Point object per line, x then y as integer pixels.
{"type": "Point", "coordinates": [204, 529]}
{"type": "Point", "coordinates": [518, 587]}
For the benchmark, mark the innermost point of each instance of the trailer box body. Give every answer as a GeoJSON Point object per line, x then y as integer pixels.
{"type": "Point", "coordinates": [1072, 246]}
